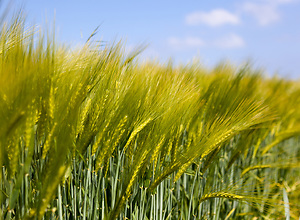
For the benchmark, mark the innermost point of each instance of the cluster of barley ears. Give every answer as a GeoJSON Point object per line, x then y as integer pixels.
{"type": "Point", "coordinates": [93, 133]}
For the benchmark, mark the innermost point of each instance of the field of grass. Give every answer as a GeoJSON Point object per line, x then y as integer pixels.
{"type": "Point", "coordinates": [94, 133]}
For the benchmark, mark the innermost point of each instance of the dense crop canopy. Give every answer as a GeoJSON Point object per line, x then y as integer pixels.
{"type": "Point", "coordinates": [93, 133]}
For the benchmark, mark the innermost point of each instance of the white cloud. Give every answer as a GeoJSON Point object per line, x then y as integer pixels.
{"type": "Point", "coordinates": [194, 42]}
{"type": "Point", "coordinates": [216, 17]}
{"type": "Point", "coordinates": [281, 1]}
{"type": "Point", "coordinates": [230, 41]}
{"type": "Point", "coordinates": [179, 43]}
{"type": "Point", "coordinates": [265, 11]}
{"type": "Point", "coordinates": [151, 53]}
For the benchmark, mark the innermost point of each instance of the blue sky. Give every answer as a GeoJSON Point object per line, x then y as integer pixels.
{"type": "Point", "coordinates": [266, 32]}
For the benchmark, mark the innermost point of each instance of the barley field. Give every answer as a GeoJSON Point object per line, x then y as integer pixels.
{"type": "Point", "coordinates": [95, 133]}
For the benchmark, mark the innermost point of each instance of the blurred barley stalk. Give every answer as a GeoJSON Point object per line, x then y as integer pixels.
{"type": "Point", "coordinates": [94, 134]}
